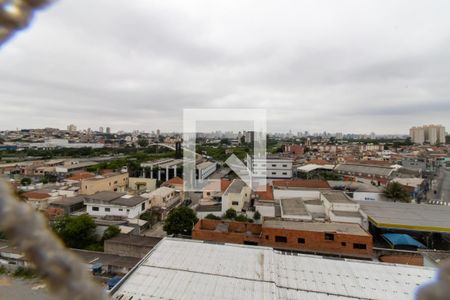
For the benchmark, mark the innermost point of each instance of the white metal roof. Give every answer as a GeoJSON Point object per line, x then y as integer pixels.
{"type": "Point", "coordinates": [187, 269]}
{"type": "Point", "coordinates": [312, 167]}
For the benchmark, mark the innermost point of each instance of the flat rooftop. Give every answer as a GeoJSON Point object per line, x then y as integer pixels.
{"type": "Point", "coordinates": [337, 197]}
{"type": "Point", "coordinates": [189, 269]}
{"type": "Point", "coordinates": [135, 240]}
{"type": "Point", "coordinates": [347, 228]}
{"type": "Point", "coordinates": [408, 216]}
{"type": "Point", "coordinates": [293, 207]}
{"type": "Point", "coordinates": [364, 169]}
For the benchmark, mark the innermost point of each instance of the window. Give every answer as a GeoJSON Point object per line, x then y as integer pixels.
{"type": "Point", "coordinates": [284, 173]}
{"type": "Point", "coordinates": [301, 240]}
{"type": "Point", "coordinates": [143, 206]}
{"type": "Point", "coordinates": [284, 166]}
{"type": "Point", "coordinates": [208, 193]}
{"type": "Point", "coordinates": [95, 208]}
{"type": "Point", "coordinates": [343, 244]}
{"type": "Point", "coordinates": [107, 209]}
{"type": "Point", "coordinates": [274, 173]}
{"type": "Point", "coordinates": [359, 246]}
{"type": "Point", "coordinates": [234, 203]}
{"type": "Point", "coordinates": [250, 243]}
{"type": "Point", "coordinates": [120, 209]}
{"type": "Point", "coordinates": [329, 237]}
{"type": "Point", "coordinates": [280, 239]}
{"type": "Point", "coordinates": [267, 237]}
{"type": "Point", "coordinates": [273, 165]}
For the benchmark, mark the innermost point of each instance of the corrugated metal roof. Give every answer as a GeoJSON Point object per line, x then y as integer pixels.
{"type": "Point", "coordinates": [187, 269]}
{"type": "Point", "coordinates": [410, 216]}
{"type": "Point", "coordinates": [364, 169]}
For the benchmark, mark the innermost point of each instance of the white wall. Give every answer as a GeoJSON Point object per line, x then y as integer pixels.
{"type": "Point", "coordinates": [286, 194]}
{"type": "Point", "coordinates": [367, 196]}
{"type": "Point", "coordinates": [240, 198]}
{"type": "Point", "coordinates": [116, 210]}
{"type": "Point", "coordinates": [266, 210]}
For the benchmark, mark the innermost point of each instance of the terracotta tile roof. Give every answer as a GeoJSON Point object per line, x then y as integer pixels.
{"type": "Point", "coordinates": [224, 184]}
{"type": "Point", "coordinates": [81, 175]}
{"type": "Point", "coordinates": [174, 181]}
{"type": "Point", "coordinates": [36, 195]}
{"type": "Point", "coordinates": [301, 183]}
{"type": "Point", "coordinates": [213, 186]}
{"type": "Point", "coordinates": [266, 195]}
{"type": "Point", "coordinates": [320, 162]}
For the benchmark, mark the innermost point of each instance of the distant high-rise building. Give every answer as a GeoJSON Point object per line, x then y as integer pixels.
{"type": "Point", "coordinates": [108, 130]}
{"type": "Point", "coordinates": [339, 136]}
{"type": "Point", "coordinates": [373, 136]}
{"type": "Point", "coordinates": [71, 128]}
{"type": "Point", "coordinates": [249, 137]}
{"type": "Point", "coordinates": [431, 134]}
{"type": "Point", "coordinates": [100, 129]}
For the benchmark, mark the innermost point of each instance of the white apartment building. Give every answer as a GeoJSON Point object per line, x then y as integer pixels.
{"type": "Point", "coordinates": [235, 196]}
{"type": "Point", "coordinates": [432, 134]}
{"type": "Point", "coordinates": [275, 168]}
{"type": "Point", "coordinates": [104, 204]}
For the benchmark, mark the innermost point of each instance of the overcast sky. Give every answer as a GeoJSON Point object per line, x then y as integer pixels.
{"type": "Point", "coordinates": [340, 66]}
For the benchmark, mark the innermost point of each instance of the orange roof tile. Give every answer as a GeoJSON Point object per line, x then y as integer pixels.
{"type": "Point", "coordinates": [81, 175]}
{"type": "Point", "coordinates": [174, 181]}
{"type": "Point", "coordinates": [36, 195]}
{"type": "Point", "coordinates": [266, 195]}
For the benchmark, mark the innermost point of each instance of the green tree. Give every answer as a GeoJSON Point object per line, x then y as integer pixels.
{"type": "Point", "coordinates": [396, 192]}
{"type": "Point", "coordinates": [212, 217]}
{"type": "Point", "coordinates": [75, 231]}
{"type": "Point", "coordinates": [180, 220]}
{"type": "Point", "coordinates": [143, 143]}
{"type": "Point", "coordinates": [111, 232]}
{"type": "Point", "coordinates": [230, 214]}
{"type": "Point", "coordinates": [25, 181]}
{"type": "Point", "coordinates": [256, 216]}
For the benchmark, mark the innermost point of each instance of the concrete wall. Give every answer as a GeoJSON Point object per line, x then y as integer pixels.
{"type": "Point", "coordinates": [116, 210]}
{"type": "Point", "coordinates": [367, 196]}
{"type": "Point", "coordinates": [240, 198]}
{"type": "Point", "coordinates": [116, 183]}
{"type": "Point", "coordinates": [145, 184]}
{"type": "Point", "coordinates": [285, 194]}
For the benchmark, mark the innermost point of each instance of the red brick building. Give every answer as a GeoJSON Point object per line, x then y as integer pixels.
{"type": "Point", "coordinates": [342, 239]}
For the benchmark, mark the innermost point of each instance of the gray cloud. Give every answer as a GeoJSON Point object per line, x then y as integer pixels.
{"type": "Point", "coordinates": [355, 67]}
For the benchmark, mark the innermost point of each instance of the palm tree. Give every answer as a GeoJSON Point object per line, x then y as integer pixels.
{"type": "Point", "coordinates": [396, 192]}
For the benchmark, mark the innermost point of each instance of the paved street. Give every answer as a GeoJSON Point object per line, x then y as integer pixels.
{"type": "Point", "coordinates": [442, 188]}
{"type": "Point", "coordinates": [157, 230]}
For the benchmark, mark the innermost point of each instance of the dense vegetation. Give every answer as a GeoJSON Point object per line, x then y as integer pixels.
{"type": "Point", "coordinates": [395, 192]}
{"type": "Point", "coordinates": [180, 220]}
